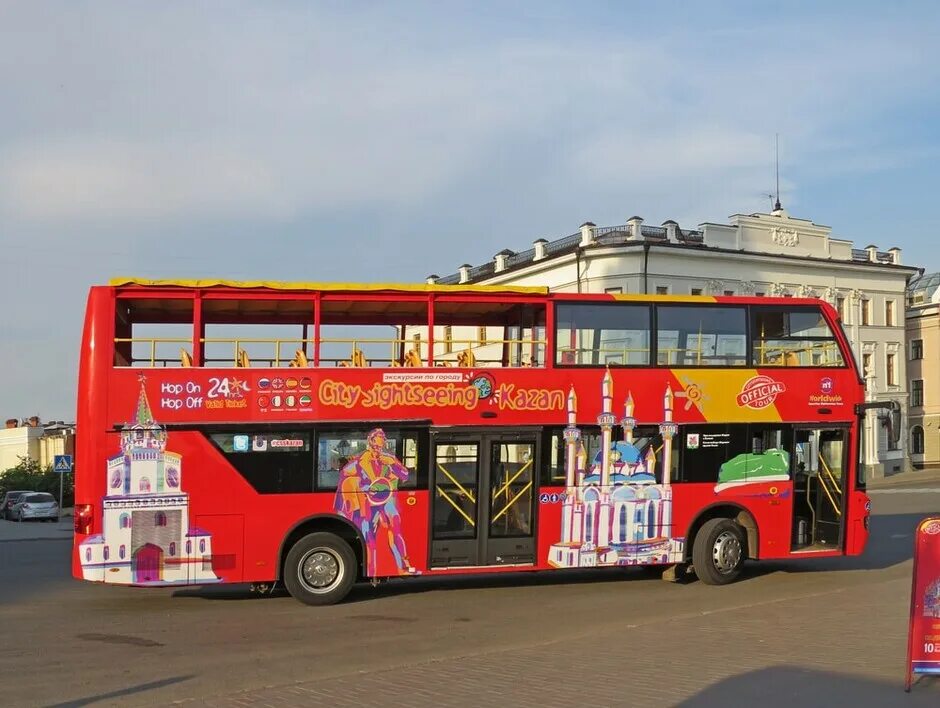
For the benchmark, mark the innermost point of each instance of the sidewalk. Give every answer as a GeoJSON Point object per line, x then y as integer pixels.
{"type": "Point", "coordinates": [914, 478]}
{"type": "Point", "coordinates": [37, 530]}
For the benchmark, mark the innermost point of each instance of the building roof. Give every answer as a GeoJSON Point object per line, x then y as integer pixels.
{"type": "Point", "coordinates": [622, 235]}
{"type": "Point", "coordinates": [925, 284]}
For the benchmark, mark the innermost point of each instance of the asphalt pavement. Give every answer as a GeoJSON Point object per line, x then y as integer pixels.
{"type": "Point", "coordinates": [807, 633]}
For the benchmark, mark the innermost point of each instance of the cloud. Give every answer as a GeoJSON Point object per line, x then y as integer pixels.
{"type": "Point", "coordinates": [303, 140]}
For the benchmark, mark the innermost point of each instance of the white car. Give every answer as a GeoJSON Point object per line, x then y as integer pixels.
{"type": "Point", "coordinates": [36, 505]}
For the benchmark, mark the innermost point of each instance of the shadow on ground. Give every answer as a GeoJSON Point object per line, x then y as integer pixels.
{"type": "Point", "coordinates": [788, 686]}
{"type": "Point", "coordinates": [124, 692]}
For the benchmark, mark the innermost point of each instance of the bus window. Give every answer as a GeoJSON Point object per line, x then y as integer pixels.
{"type": "Point", "coordinates": [271, 462]}
{"type": "Point", "coordinates": [793, 337]}
{"type": "Point", "coordinates": [712, 453]}
{"type": "Point", "coordinates": [338, 453]}
{"type": "Point", "coordinates": [701, 336]}
{"type": "Point", "coordinates": [593, 334]}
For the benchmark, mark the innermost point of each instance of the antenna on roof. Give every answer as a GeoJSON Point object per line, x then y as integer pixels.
{"type": "Point", "coordinates": [777, 206]}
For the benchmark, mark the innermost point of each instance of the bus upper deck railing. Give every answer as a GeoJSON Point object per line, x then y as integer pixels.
{"type": "Point", "coordinates": [363, 352]}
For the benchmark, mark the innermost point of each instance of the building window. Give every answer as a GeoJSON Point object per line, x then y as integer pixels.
{"type": "Point", "coordinates": [729, 292]}
{"type": "Point", "coordinates": [889, 313]}
{"type": "Point", "coordinates": [125, 521]}
{"type": "Point", "coordinates": [88, 555]}
{"type": "Point", "coordinates": [122, 551]}
{"type": "Point", "coordinates": [758, 294]}
{"type": "Point", "coordinates": [202, 545]}
{"type": "Point", "coordinates": [107, 552]}
{"type": "Point", "coordinates": [840, 307]}
{"type": "Point", "coordinates": [613, 291]}
{"type": "Point", "coordinates": [159, 519]}
{"type": "Point", "coordinates": [917, 440]}
{"type": "Point", "coordinates": [866, 364]}
{"type": "Point", "coordinates": [189, 548]}
{"type": "Point", "coordinates": [448, 339]}
{"type": "Point", "coordinates": [866, 312]}
{"type": "Point", "coordinates": [892, 377]}
{"type": "Point", "coordinates": [917, 392]}
{"type": "Point", "coordinates": [144, 485]}
{"type": "Point", "coordinates": [917, 349]}
{"type": "Point", "coordinates": [416, 342]}
{"type": "Point", "coordinates": [662, 289]}
{"type": "Point", "coordinates": [172, 548]}
{"type": "Point", "coordinates": [207, 562]}
{"type": "Point", "coordinates": [695, 291]}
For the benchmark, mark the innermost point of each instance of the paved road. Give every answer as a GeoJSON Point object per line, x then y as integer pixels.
{"type": "Point", "coordinates": [806, 634]}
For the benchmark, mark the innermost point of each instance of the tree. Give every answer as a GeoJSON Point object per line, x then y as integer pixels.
{"type": "Point", "coordinates": [30, 475]}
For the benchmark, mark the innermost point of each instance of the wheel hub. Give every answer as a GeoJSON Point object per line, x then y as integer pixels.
{"type": "Point", "coordinates": [726, 553]}
{"type": "Point", "coordinates": [320, 569]}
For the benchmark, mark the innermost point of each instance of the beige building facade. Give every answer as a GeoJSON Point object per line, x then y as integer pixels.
{"type": "Point", "coordinates": [33, 441]}
{"type": "Point", "coordinates": [923, 368]}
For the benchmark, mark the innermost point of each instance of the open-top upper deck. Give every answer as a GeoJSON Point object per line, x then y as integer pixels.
{"type": "Point", "coordinates": [272, 324]}
{"type": "Point", "coordinates": [221, 352]}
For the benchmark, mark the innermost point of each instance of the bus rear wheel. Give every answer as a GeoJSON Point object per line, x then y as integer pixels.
{"type": "Point", "coordinates": [718, 552]}
{"type": "Point", "coordinates": [320, 569]}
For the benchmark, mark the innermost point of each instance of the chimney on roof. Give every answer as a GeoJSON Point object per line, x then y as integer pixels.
{"type": "Point", "coordinates": [432, 279]}
{"type": "Point", "coordinates": [539, 247]}
{"type": "Point", "coordinates": [895, 255]}
{"type": "Point", "coordinates": [500, 259]}
{"type": "Point", "coordinates": [672, 230]}
{"type": "Point", "coordinates": [636, 227]}
{"type": "Point", "coordinates": [587, 233]}
{"type": "Point", "coordinates": [872, 252]}
{"type": "Point", "coordinates": [465, 273]}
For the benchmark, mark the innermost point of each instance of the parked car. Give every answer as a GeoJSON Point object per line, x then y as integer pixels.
{"type": "Point", "coordinates": [36, 505]}
{"type": "Point", "coordinates": [9, 499]}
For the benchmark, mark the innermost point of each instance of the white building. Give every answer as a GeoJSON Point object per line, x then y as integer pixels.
{"type": "Point", "coordinates": [146, 538]}
{"type": "Point", "coordinates": [772, 255]}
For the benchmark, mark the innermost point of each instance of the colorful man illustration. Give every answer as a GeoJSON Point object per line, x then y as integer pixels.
{"type": "Point", "coordinates": [365, 496]}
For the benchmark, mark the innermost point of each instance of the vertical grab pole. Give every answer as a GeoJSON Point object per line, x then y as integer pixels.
{"type": "Point", "coordinates": [317, 300]}
{"type": "Point", "coordinates": [199, 329]}
{"type": "Point", "coordinates": [431, 329]}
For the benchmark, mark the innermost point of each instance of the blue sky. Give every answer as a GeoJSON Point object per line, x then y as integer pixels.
{"type": "Point", "coordinates": [386, 141]}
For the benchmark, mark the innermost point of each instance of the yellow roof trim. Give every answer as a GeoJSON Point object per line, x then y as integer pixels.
{"type": "Point", "coordinates": [331, 287]}
{"type": "Point", "coordinates": [664, 298]}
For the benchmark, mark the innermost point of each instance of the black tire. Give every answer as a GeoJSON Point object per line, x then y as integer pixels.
{"type": "Point", "coordinates": [719, 551]}
{"type": "Point", "coordinates": [320, 569]}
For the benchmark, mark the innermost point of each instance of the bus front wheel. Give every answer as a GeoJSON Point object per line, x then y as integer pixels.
{"type": "Point", "coordinates": [320, 569]}
{"type": "Point", "coordinates": [718, 552]}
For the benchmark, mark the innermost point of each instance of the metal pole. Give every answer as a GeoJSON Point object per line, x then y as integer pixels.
{"type": "Point", "coordinates": [61, 500]}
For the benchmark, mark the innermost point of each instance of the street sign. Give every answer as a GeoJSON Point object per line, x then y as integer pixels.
{"type": "Point", "coordinates": [62, 464]}
{"type": "Point", "coordinates": [923, 639]}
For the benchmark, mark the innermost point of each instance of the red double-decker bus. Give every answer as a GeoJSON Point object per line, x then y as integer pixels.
{"type": "Point", "coordinates": [319, 435]}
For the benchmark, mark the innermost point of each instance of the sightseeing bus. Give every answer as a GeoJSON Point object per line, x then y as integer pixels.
{"type": "Point", "coordinates": [319, 435]}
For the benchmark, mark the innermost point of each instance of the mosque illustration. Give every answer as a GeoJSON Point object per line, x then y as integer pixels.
{"type": "Point", "coordinates": [146, 538]}
{"type": "Point", "coordinates": [614, 513]}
